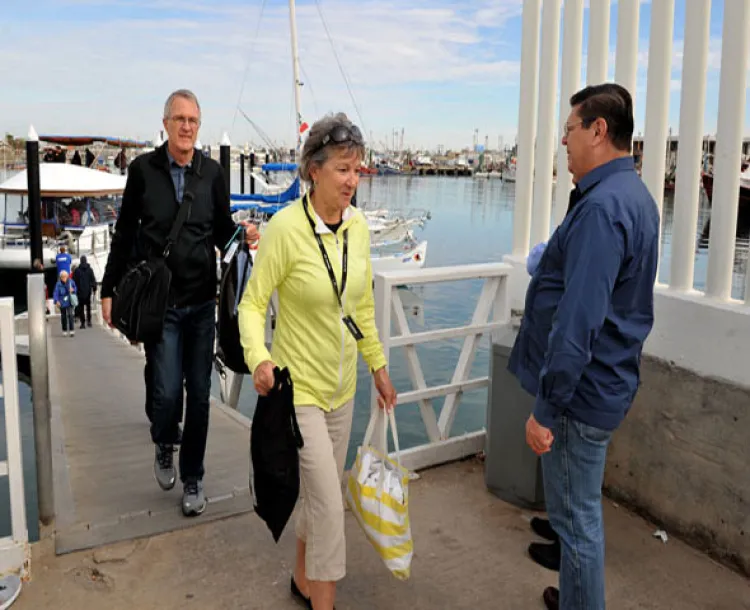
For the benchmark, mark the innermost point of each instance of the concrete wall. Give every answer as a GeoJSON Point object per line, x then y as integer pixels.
{"type": "Point", "coordinates": [682, 458]}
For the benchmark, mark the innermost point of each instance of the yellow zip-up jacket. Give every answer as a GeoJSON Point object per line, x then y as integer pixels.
{"type": "Point", "coordinates": [310, 338]}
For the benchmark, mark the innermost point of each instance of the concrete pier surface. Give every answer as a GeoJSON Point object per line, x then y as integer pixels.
{"type": "Point", "coordinates": [470, 553]}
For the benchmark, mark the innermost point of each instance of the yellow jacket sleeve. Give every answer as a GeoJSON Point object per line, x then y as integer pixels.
{"type": "Point", "coordinates": [370, 347]}
{"type": "Point", "coordinates": [270, 269]}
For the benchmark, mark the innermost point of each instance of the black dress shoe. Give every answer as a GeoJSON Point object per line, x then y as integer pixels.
{"type": "Point", "coordinates": [542, 527]}
{"type": "Point", "coordinates": [299, 597]}
{"type": "Point", "coordinates": [546, 555]}
{"type": "Point", "coordinates": [551, 597]}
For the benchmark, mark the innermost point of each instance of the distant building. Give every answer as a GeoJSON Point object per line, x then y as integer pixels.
{"type": "Point", "coordinates": [670, 150]}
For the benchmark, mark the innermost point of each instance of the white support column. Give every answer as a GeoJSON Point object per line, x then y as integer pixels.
{"type": "Point", "coordinates": [547, 134]}
{"type": "Point", "coordinates": [596, 68]}
{"type": "Point", "coordinates": [735, 38]}
{"type": "Point", "coordinates": [526, 126]}
{"type": "Point", "coordinates": [570, 82]}
{"type": "Point", "coordinates": [657, 97]}
{"type": "Point", "coordinates": [692, 106]}
{"type": "Point", "coordinates": [626, 55]}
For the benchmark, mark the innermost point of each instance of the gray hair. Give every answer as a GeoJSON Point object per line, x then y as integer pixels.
{"type": "Point", "coordinates": [183, 93]}
{"type": "Point", "coordinates": [315, 153]}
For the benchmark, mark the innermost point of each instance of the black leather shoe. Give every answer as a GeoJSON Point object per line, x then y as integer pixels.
{"type": "Point", "coordinates": [542, 527]}
{"type": "Point", "coordinates": [551, 597]}
{"type": "Point", "coordinates": [546, 555]}
{"type": "Point", "coordinates": [299, 597]}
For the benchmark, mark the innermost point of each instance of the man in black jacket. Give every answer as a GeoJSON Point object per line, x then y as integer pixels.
{"type": "Point", "coordinates": [156, 185]}
{"type": "Point", "coordinates": [86, 283]}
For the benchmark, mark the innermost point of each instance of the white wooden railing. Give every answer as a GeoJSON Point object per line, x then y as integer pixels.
{"type": "Point", "coordinates": [492, 313]}
{"type": "Point", "coordinates": [14, 549]}
{"type": "Point", "coordinates": [676, 336]}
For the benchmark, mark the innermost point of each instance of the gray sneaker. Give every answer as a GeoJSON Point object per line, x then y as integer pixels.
{"type": "Point", "coordinates": [193, 499]}
{"type": "Point", "coordinates": [164, 470]}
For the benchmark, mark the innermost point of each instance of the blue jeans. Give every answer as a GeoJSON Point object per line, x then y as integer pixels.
{"type": "Point", "coordinates": [184, 355]}
{"type": "Point", "coordinates": [67, 319]}
{"type": "Point", "coordinates": [573, 474]}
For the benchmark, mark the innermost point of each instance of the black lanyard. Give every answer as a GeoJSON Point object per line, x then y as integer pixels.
{"type": "Point", "coordinates": [327, 261]}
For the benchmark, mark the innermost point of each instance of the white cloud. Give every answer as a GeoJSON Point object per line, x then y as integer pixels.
{"type": "Point", "coordinates": [113, 75]}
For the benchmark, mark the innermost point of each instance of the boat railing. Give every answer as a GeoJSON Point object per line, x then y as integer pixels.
{"type": "Point", "coordinates": [14, 548]}
{"type": "Point", "coordinates": [22, 241]}
{"type": "Point", "coordinates": [491, 315]}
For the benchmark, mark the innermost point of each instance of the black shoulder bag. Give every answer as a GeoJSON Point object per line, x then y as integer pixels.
{"type": "Point", "coordinates": [140, 300]}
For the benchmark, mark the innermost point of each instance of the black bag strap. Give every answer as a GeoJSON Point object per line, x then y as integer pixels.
{"type": "Point", "coordinates": [191, 179]}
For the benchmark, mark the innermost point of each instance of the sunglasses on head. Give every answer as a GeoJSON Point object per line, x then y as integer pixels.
{"type": "Point", "coordinates": [341, 135]}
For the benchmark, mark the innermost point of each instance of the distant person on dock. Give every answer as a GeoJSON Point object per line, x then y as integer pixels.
{"type": "Point", "coordinates": [86, 281]}
{"type": "Point", "coordinates": [316, 254]}
{"type": "Point", "coordinates": [159, 183]}
{"type": "Point", "coordinates": [63, 297]}
{"type": "Point", "coordinates": [63, 261]}
{"type": "Point", "coordinates": [589, 308]}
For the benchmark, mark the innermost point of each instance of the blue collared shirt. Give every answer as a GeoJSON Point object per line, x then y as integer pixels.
{"type": "Point", "coordinates": [590, 306]}
{"type": "Point", "coordinates": [178, 176]}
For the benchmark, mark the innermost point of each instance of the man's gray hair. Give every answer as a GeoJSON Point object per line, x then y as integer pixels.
{"type": "Point", "coordinates": [183, 93]}
{"type": "Point", "coordinates": [315, 153]}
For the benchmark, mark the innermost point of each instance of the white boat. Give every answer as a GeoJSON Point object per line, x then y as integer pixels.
{"type": "Point", "coordinates": [79, 208]}
{"type": "Point", "coordinates": [414, 258]}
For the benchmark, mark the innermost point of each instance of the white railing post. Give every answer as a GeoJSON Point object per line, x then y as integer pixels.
{"type": "Point", "coordinates": [39, 357]}
{"type": "Point", "coordinates": [545, 146]}
{"type": "Point", "coordinates": [526, 127]}
{"type": "Point", "coordinates": [626, 54]}
{"type": "Point", "coordinates": [735, 38]}
{"type": "Point", "coordinates": [570, 82]}
{"type": "Point", "coordinates": [490, 319]}
{"type": "Point", "coordinates": [596, 67]}
{"type": "Point", "coordinates": [13, 551]}
{"type": "Point", "coordinates": [692, 106]}
{"type": "Point", "coordinates": [466, 358]}
{"type": "Point", "coordinates": [657, 97]}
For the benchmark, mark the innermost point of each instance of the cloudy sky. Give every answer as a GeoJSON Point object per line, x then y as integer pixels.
{"type": "Point", "coordinates": [437, 68]}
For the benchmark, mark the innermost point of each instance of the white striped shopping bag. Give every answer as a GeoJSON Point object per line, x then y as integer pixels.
{"type": "Point", "coordinates": [378, 494]}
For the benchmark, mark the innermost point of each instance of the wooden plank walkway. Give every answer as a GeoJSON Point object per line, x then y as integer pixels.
{"type": "Point", "coordinates": [103, 455]}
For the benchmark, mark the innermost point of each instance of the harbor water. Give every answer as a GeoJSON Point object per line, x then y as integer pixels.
{"type": "Point", "coordinates": [471, 222]}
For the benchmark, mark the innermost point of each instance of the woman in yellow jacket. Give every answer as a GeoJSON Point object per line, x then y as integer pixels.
{"type": "Point", "coordinates": [316, 254]}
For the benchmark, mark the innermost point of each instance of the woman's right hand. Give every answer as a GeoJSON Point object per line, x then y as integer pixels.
{"type": "Point", "coordinates": [263, 377]}
{"type": "Point", "coordinates": [107, 310]}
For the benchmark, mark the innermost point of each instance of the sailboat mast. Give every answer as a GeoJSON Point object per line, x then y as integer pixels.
{"type": "Point", "coordinates": [295, 73]}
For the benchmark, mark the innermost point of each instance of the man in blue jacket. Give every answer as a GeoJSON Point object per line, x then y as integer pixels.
{"type": "Point", "coordinates": [588, 311]}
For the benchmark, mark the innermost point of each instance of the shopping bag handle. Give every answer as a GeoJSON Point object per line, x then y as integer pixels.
{"type": "Point", "coordinates": [390, 418]}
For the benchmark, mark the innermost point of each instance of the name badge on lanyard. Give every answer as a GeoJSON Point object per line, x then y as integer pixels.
{"type": "Point", "coordinates": [346, 319]}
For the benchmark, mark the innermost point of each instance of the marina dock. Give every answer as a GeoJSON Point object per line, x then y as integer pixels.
{"type": "Point", "coordinates": [676, 488]}
{"type": "Point", "coordinates": [470, 554]}
{"type": "Point", "coordinates": [103, 455]}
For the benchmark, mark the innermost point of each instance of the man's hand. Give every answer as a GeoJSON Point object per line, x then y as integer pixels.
{"type": "Point", "coordinates": [251, 232]}
{"type": "Point", "coordinates": [107, 310]}
{"type": "Point", "coordinates": [538, 437]}
{"type": "Point", "coordinates": [263, 377]}
{"type": "Point", "coordinates": [386, 392]}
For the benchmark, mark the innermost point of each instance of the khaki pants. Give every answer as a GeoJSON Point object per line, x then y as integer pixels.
{"type": "Point", "coordinates": [320, 520]}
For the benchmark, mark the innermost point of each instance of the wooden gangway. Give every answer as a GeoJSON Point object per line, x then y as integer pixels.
{"type": "Point", "coordinates": [104, 485]}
